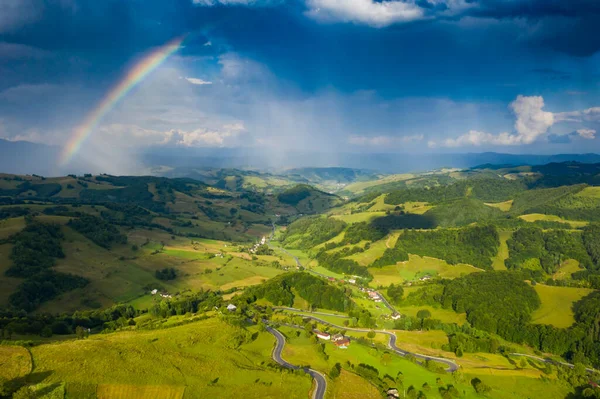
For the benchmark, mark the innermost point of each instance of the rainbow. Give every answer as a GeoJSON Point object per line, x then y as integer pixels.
{"type": "Point", "coordinates": [136, 74]}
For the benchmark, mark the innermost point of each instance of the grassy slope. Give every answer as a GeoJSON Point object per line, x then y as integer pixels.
{"type": "Point", "coordinates": [416, 267]}
{"type": "Point", "coordinates": [532, 217]}
{"type": "Point", "coordinates": [556, 304]}
{"type": "Point", "coordinates": [498, 261]}
{"type": "Point", "coordinates": [189, 356]}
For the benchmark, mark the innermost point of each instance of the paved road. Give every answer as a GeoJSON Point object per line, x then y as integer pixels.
{"type": "Point", "coordinates": [546, 360]}
{"type": "Point", "coordinates": [450, 365]}
{"type": "Point", "coordinates": [319, 392]}
{"type": "Point", "coordinates": [386, 303]}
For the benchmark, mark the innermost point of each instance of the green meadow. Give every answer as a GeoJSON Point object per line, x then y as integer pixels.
{"type": "Point", "coordinates": [557, 304]}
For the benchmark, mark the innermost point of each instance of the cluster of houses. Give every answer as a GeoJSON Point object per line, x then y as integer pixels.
{"type": "Point", "coordinates": [373, 295]}
{"type": "Point", "coordinates": [254, 248]}
{"type": "Point", "coordinates": [338, 340]}
{"type": "Point", "coordinates": [162, 294]}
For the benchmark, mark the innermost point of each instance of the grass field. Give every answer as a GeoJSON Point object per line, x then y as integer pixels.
{"type": "Point", "coordinates": [503, 206]}
{"type": "Point", "coordinates": [360, 187]}
{"type": "Point", "coordinates": [196, 357]}
{"type": "Point", "coordinates": [416, 267]}
{"type": "Point", "coordinates": [15, 362]}
{"type": "Point", "coordinates": [532, 217]}
{"type": "Point", "coordinates": [359, 217]}
{"type": "Point", "coordinates": [121, 391]}
{"type": "Point", "coordinates": [445, 315]}
{"type": "Point", "coordinates": [567, 268]}
{"type": "Point", "coordinates": [417, 207]}
{"type": "Point", "coordinates": [498, 261]}
{"type": "Point", "coordinates": [590, 192]}
{"type": "Point", "coordinates": [556, 305]}
{"type": "Point", "coordinates": [376, 250]}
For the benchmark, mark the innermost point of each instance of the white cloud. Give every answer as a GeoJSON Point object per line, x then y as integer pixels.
{"type": "Point", "coordinates": [588, 115]}
{"type": "Point", "coordinates": [212, 3]}
{"type": "Point", "coordinates": [368, 12]}
{"type": "Point", "coordinates": [197, 81]}
{"type": "Point", "coordinates": [14, 51]}
{"type": "Point", "coordinates": [384, 140]}
{"type": "Point", "coordinates": [532, 122]}
{"type": "Point", "coordinates": [16, 13]}
{"type": "Point", "coordinates": [589, 134]}
{"type": "Point", "coordinates": [207, 44]}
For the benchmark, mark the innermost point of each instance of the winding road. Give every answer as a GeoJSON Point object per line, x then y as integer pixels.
{"type": "Point", "coordinates": [319, 392]}
{"type": "Point", "coordinates": [450, 365]}
{"type": "Point", "coordinates": [550, 361]}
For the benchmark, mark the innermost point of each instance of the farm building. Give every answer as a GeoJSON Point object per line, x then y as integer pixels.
{"type": "Point", "coordinates": [231, 307]}
{"type": "Point", "coordinates": [323, 335]}
{"type": "Point", "coordinates": [342, 343]}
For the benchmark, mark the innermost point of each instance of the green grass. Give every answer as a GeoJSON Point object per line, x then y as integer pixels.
{"type": "Point", "coordinates": [503, 206]}
{"type": "Point", "coordinates": [186, 357]}
{"type": "Point", "coordinates": [15, 362]}
{"type": "Point", "coordinates": [590, 192]}
{"type": "Point", "coordinates": [445, 315]}
{"type": "Point", "coordinates": [533, 217]}
{"type": "Point", "coordinates": [359, 187]}
{"type": "Point", "coordinates": [376, 250]}
{"type": "Point", "coordinates": [415, 268]}
{"type": "Point", "coordinates": [498, 261]}
{"type": "Point", "coordinates": [359, 217]}
{"type": "Point", "coordinates": [556, 305]}
{"type": "Point", "coordinates": [566, 269]}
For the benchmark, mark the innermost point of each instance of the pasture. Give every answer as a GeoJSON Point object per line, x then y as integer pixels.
{"type": "Point", "coordinates": [533, 217]}
{"type": "Point", "coordinates": [498, 261]}
{"type": "Point", "coordinates": [190, 361]}
{"type": "Point", "coordinates": [416, 267]}
{"type": "Point", "coordinates": [556, 304]}
{"type": "Point", "coordinates": [503, 206]}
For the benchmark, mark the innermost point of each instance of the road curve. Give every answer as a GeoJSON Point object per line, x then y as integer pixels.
{"type": "Point", "coordinates": [341, 316]}
{"type": "Point", "coordinates": [450, 365]}
{"type": "Point", "coordinates": [550, 361]}
{"type": "Point", "coordinates": [319, 392]}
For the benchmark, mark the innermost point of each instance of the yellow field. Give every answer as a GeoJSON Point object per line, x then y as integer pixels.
{"type": "Point", "coordinates": [556, 305]}
{"type": "Point", "coordinates": [416, 267]}
{"type": "Point", "coordinates": [15, 362]}
{"type": "Point", "coordinates": [532, 217]}
{"type": "Point", "coordinates": [567, 268]}
{"type": "Point", "coordinates": [593, 192]}
{"type": "Point", "coordinates": [380, 205]}
{"type": "Point", "coordinates": [110, 391]}
{"type": "Point", "coordinates": [417, 207]}
{"type": "Point", "coordinates": [351, 386]}
{"type": "Point", "coordinates": [376, 250]}
{"type": "Point", "coordinates": [498, 261]}
{"type": "Point", "coordinates": [445, 315]}
{"type": "Point", "coordinates": [359, 217]}
{"type": "Point", "coordinates": [503, 206]}
{"type": "Point", "coordinates": [359, 187]}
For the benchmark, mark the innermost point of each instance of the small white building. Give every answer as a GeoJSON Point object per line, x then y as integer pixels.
{"type": "Point", "coordinates": [323, 335]}
{"type": "Point", "coordinates": [154, 291]}
{"type": "Point", "coordinates": [396, 316]}
{"type": "Point", "coordinates": [231, 307]}
{"type": "Point", "coordinates": [352, 281]}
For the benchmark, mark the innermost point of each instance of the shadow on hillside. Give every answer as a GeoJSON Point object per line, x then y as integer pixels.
{"type": "Point", "coordinates": [31, 379]}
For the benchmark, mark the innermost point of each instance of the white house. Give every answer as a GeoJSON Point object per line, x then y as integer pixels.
{"type": "Point", "coordinates": [154, 291]}
{"type": "Point", "coordinates": [231, 307]}
{"type": "Point", "coordinates": [396, 316]}
{"type": "Point", "coordinates": [323, 335]}
{"type": "Point", "coordinates": [352, 281]}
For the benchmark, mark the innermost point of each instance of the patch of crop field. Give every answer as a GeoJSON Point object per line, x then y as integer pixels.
{"type": "Point", "coordinates": [120, 391]}
{"type": "Point", "coordinates": [327, 272]}
{"type": "Point", "coordinates": [15, 362]}
{"type": "Point", "coordinates": [416, 267]}
{"type": "Point", "coordinates": [503, 206]}
{"type": "Point", "coordinates": [375, 251]}
{"type": "Point", "coordinates": [8, 227]}
{"type": "Point", "coordinates": [445, 315]}
{"type": "Point", "coordinates": [533, 217]}
{"type": "Point", "coordinates": [418, 208]}
{"type": "Point", "coordinates": [590, 192]}
{"type": "Point", "coordinates": [336, 239]}
{"type": "Point", "coordinates": [556, 304]}
{"type": "Point", "coordinates": [198, 356]}
{"type": "Point", "coordinates": [352, 386]}
{"type": "Point", "coordinates": [566, 269]}
{"type": "Point", "coordinates": [377, 309]}
{"type": "Point", "coordinates": [498, 261]}
{"type": "Point", "coordinates": [359, 217]}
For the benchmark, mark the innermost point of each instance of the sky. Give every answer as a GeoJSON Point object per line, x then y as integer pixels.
{"type": "Point", "coordinates": [353, 76]}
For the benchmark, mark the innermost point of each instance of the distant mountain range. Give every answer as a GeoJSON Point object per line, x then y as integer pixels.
{"type": "Point", "coordinates": [24, 157]}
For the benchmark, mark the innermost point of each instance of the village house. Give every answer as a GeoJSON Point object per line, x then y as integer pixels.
{"type": "Point", "coordinates": [396, 316]}
{"type": "Point", "coordinates": [231, 307]}
{"type": "Point", "coordinates": [323, 335]}
{"type": "Point", "coordinates": [337, 337]}
{"type": "Point", "coordinates": [154, 291]}
{"type": "Point", "coordinates": [392, 393]}
{"type": "Point", "coordinates": [343, 343]}
{"type": "Point", "coordinates": [425, 278]}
